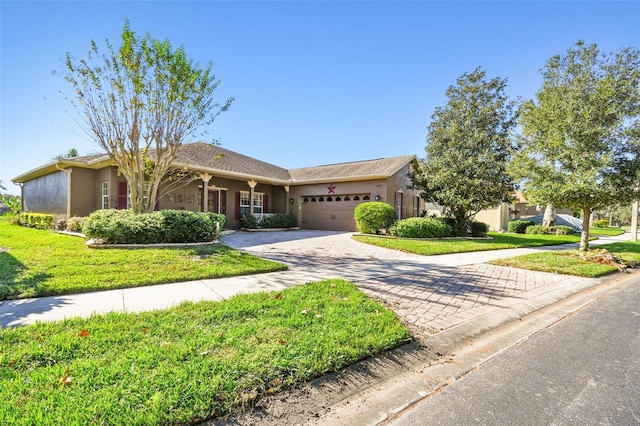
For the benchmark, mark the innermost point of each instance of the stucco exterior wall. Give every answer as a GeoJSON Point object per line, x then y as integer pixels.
{"type": "Point", "coordinates": [83, 191]}
{"type": "Point", "coordinates": [109, 175]}
{"type": "Point", "coordinates": [46, 194]}
{"type": "Point", "coordinates": [401, 196]}
{"type": "Point", "coordinates": [497, 218]}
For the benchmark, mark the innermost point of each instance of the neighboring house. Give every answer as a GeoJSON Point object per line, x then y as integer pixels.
{"type": "Point", "coordinates": [232, 184]}
{"type": "Point", "coordinates": [519, 209]}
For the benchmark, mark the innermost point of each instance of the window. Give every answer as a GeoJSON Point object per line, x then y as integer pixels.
{"type": "Point", "coordinates": [244, 204]}
{"type": "Point", "coordinates": [105, 194]}
{"type": "Point", "coordinates": [258, 203]}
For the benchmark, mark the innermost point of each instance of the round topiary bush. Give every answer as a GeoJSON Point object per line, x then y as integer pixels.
{"type": "Point", "coordinates": [519, 226]}
{"type": "Point", "coordinates": [374, 217]}
{"type": "Point", "coordinates": [602, 223]}
{"type": "Point", "coordinates": [421, 227]}
{"type": "Point", "coordinates": [478, 229]}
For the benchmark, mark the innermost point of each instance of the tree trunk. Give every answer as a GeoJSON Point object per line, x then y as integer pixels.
{"type": "Point", "coordinates": [634, 221]}
{"type": "Point", "coordinates": [611, 217]}
{"type": "Point", "coordinates": [549, 216]}
{"type": "Point", "coordinates": [586, 223]}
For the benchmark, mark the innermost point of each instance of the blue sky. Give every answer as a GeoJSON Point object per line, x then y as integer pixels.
{"type": "Point", "coordinates": [314, 82]}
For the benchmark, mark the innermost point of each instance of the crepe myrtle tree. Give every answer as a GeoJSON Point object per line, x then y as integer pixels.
{"type": "Point", "coordinates": [579, 144]}
{"type": "Point", "coordinates": [468, 148]}
{"type": "Point", "coordinates": [140, 103]}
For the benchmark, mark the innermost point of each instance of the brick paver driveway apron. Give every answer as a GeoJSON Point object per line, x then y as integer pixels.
{"type": "Point", "coordinates": [429, 293]}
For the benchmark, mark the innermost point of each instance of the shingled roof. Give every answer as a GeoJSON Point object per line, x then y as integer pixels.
{"type": "Point", "coordinates": [358, 170]}
{"type": "Point", "coordinates": [204, 157]}
{"type": "Point", "coordinates": [214, 158]}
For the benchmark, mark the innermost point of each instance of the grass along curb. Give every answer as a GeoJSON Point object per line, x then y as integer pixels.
{"type": "Point", "coordinates": [569, 262]}
{"type": "Point", "coordinates": [189, 363]}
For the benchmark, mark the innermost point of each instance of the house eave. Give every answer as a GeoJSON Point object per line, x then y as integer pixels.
{"type": "Point", "coordinates": [232, 175]}
{"type": "Point", "coordinates": [359, 178]}
{"type": "Point", "coordinates": [57, 165]}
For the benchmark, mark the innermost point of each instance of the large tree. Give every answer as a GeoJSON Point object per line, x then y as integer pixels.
{"type": "Point", "coordinates": [578, 147]}
{"type": "Point", "coordinates": [140, 103]}
{"type": "Point", "coordinates": [468, 148]}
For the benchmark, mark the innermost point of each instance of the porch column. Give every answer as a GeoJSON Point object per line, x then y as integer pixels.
{"type": "Point", "coordinates": [206, 177]}
{"type": "Point", "coordinates": [252, 185]}
{"type": "Point", "coordinates": [286, 200]}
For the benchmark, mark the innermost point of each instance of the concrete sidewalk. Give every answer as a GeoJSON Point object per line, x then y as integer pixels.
{"type": "Point", "coordinates": [430, 293]}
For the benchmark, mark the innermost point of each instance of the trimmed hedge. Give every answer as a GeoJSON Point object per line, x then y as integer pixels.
{"type": "Point", "coordinates": [602, 223]}
{"type": "Point", "coordinates": [550, 230]}
{"type": "Point", "coordinates": [478, 229]}
{"type": "Point", "coordinates": [279, 220]}
{"type": "Point", "coordinates": [374, 217]}
{"type": "Point", "coordinates": [75, 224]}
{"type": "Point", "coordinates": [165, 226]}
{"type": "Point", "coordinates": [37, 220]}
{"type": "Point", "coordinates": [421, 227]}
{"type": "Point", "coordinates": [519, 226]}
{"type": "Point", "coordinates": [275, 220]}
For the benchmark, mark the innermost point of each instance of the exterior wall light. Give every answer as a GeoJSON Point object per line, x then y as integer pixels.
{"type": "Point", "coordinates": [377, 197]}
{"type": "Point", "coordinates": [291, 200]}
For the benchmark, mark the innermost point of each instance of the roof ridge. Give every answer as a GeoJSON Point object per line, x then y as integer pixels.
{"type": "Point", "coordinates": [355, 162]}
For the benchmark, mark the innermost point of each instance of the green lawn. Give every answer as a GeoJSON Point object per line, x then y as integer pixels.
{"type": "Point", "coordinates": [497, 241]}
{"type": "Point", "coordinates": [568, 262]}
{"type": "Point", "coordinates": [610, 231]}
{"type": "Point", "coordinates": [40, 263]}
{"type": "Point", "coordinates": [188, 363]}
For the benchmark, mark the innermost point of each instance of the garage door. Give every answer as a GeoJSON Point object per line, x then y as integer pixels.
{"type": "Point", "coordinates": [332, 212]}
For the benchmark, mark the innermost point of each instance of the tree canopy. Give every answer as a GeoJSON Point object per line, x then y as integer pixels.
{"type": "Point", "coordinates": [468, 148]}
{"type": "Point", "coordinates": [579, 146]}
{"type": "Point", "coordinates": [140, 102]}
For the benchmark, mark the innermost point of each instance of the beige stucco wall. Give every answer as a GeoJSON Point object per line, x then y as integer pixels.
{"type": "Point", "coordinates": [497, 218]}
{"type": "Point", "coordinates": [83, 191]}
{"type": "Point", "coordinates": [408, 204]}
{"type": "Point", "coordinates": [109, 175]}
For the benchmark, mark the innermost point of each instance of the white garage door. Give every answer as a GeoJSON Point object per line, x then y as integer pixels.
{"type": "Point", "coordinates": [331, 212]}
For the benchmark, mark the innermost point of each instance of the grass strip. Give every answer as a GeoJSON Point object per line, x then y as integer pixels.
{"type": "Point", "coordinates": [36, 263]}
{"type": "Point", "coordinates": [189, 363]}
{"type": "Point", "coordinates": [568, 262]}
{"type": "Point", "coordinates": [446, 246]}
{"type": "Point", "coordinates": [608, 232]}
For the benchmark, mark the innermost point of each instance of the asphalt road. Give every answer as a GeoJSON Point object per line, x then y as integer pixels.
{"type": "Point", "coordinates": [584, 370]}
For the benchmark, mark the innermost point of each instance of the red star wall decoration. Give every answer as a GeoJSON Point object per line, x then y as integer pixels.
{"type": "Point", "coordinates": [332, 189]}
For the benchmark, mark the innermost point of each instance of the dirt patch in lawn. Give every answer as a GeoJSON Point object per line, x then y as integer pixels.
{"type": "Point", "coordinates": [314, 399]}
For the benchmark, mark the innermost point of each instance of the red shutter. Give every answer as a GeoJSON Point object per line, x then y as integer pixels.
{"type": "Point", "coordinates": [237, 205]}
{"type": "Point", "coordinates": [122, 195]}
{"type": "Point", "coordinates": [265, 200]}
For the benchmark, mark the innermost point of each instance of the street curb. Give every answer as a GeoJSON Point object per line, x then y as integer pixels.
{"type": "Point", "coordinates": [510, 325]}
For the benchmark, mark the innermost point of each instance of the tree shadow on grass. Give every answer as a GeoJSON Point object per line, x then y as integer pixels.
{"type": "Point", "coordinates": [15, 282]}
